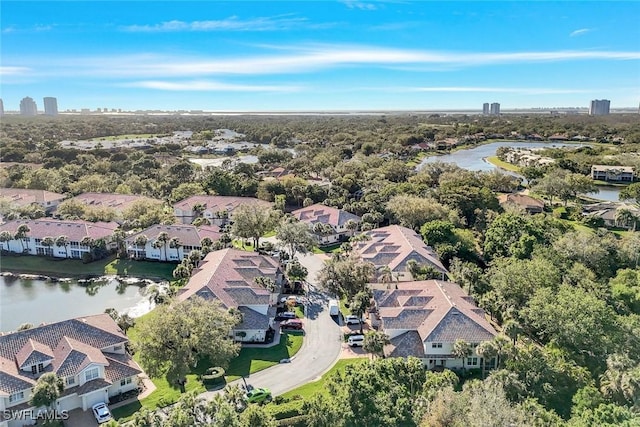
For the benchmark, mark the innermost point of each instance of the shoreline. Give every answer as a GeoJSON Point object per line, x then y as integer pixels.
{"type": "Point", "coordinates": [140, 282]}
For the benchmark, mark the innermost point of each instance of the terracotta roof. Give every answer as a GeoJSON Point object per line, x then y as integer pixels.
{"type": "Point", "coordinates": [23, 196]}
{"type": "Point", "coordinates": [218, 203]}
{"type": "Point", "coordinates": [324, 214]}
{"type": "Point", "coordinates": [118, 202]}
{"type": "Point", "coordinates": [438, 311]}
{"type": "Point", "coordinates": [120, 366]}
{"type": "Point", "coordinates": [74, 230]}
{"type": "Point", "coordinates": [188, 235]}
{"type": "Point", "coordinates": [229, 276]}
{"type": "Point", "coordinates": [33, 353]}
{"type": "Point", "coordinates": [521, 200]}
{"type": "Point", "coordinates": [93, 385]}
{"type": "Point", "coordinates": [394, 246]}
{"type": "Point", "coordinates": [73, 343]}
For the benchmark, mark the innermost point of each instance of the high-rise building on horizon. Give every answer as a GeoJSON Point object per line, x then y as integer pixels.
{"type": "Point", "coordinates": [28, 107]}
{"type": "Point", "coordinates": [495, 108]}
{"type": "Point", "coordinates": [599, 107]}
{"type": "Point", "coordinates": [1, 107]}
{"type": "Point", "coordinates": [50, 106]}
{"type": "Point", "coordinates": [485, 108]}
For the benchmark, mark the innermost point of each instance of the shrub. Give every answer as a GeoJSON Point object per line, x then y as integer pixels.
{"type": "Point", "coordinates": [286, 410]}
{"type": "Point", "coordinates": [86, 258]}
{"type": "Point", "coordinates": [297, 421]}
{"type": "Point", "coordinates": [213, 376]}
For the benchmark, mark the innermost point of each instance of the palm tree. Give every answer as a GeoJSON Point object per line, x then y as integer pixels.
{"type": "Point", "coordinates": [625, 217]}
{"type": "Point", "coordinates": [161, 242]}
{"type": "Point", "coordinates": [487, 351]}
{"type": "Point", "coordinates": [462, 350]}
{"type": "Point", "coordinates": [47, 242]}
{"type": "Point", "coordinates": [47, 390]}
{"type": "Point", "coordinates": [266, 282]}
{"type": "Point", "coordinates": [352, 226]}
{"type": "Point", "coordinates": [195, 256]}
{"type": "Point", "coordinates": [512, 329]}
{"type": "Point", "coordinates": [374, 342]}
{"type": "Point", "coordinates": [119, 237]}
{"type": "Point", "coordinates": [360, 304]}
{"type": "Point", "coordinates": [141, 242]}
{"type": "Point", "coordinates": [86, 241]}
{"type": "Point", "coordinates": [6, 237]}
{"type": "Point", "coordinates": [386, 275]}
{"type": "Point", "coordinates": [64, 242]}
{"type": "Point", "coordinates": [174, 243]}
{"type": "Point", "coordinates": [503, 348]}
{"type": "Point", "coordinates": [21, 234]}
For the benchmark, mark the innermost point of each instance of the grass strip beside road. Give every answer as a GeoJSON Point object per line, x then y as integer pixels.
{"type": "Point", "coordinates": [31, 264]}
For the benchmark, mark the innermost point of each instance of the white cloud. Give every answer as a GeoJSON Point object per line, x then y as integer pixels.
{"type": "Point", "coordinates": [232, 23]}
{"type": "Point", "coordinates": [13, 71]}
{"type": "Point", "coordinates": [580, 32]}
{"type": "Point", "coordinates": [355, 4]}
{"type": "Point", "coordinates": [523, 91]}
{"type": "Point", "coordinates": [207, 85]}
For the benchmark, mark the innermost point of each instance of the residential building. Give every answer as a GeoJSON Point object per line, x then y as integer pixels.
{"type": "Point", "coordinates": [612, 173]}
{"type": "Point", "coordinates": [528, 203]}
{"type": "Point", "coordinates": [599, 107]}
{"type": "Point", "coordinates": [229, 276]}
{"type": "Point", "coordinates": [118, 202]}
{"type": "Point", "coordinates": [1, 107]}
{"type": "Point", "coordinates": [424, 319]}
{"type": "Point", "coordinates": [217, 209]}
{"type": "Point", "coordinates": [50, 106]}
{"type": "Point", "coordinates": [396, 247]}
{"type": "Point", "coordinates": [485, 108]}
{"type": "Point", "coordinates": [24, 197]}
{"type": "Point", "coordinates": [495, 108]}
{"type": "Point", "coordinates": [28, 107]}
{"type": "Point", "coordinates": [614, 214]}
{"type": "Point", "coordinates": [334, 217]}
{"type": "Point", "coordinates": [88, 353]}
{"type": "Point", "coordinates": [187, 238]}
{"type": "Point", "coordinates": [75, 231]}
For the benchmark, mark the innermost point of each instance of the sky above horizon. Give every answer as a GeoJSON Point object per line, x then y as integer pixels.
{"type": "Point", "coordinates": [320, 55]}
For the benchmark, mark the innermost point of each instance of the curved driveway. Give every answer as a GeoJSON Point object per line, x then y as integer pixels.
{"type": "Point", "coordinates": [320, 349]}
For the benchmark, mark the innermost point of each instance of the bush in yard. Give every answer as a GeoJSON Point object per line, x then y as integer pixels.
{"type": "Point", "coordinates": [286, 410]}
{"type": "Point", "coordinates": [297, 421]}
{"type": "Point", "coordinates": [213, 376]}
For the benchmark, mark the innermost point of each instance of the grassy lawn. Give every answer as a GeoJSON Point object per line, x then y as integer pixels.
{"type": "Point", "coordinates": [314, 387]}
{"type": "Point", "coordinates": [494, 160]}
{"type": "Point", "coordinates": [239, 244]}
{"type": "Point", "coordinates": [327, 249]}
{"type": "Point", "coordinates": [251, 360]}
{"type": "Point", "coordinates": [271, 233]}
{"type": "Point", "coordinates": [74, 268]}
{"type": "Point", "coordinates": [415, 160]}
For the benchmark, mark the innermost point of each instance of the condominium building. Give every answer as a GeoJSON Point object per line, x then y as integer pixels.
{"type": "Point", "coordinates": [28, 107]}
{"type": "Point", "coordinates": [599, 107]}
{"type": "Point", "coordinates": [50, 106]}
{"type": "Point", "coordinates": [1, 108]}
{"type": "Point", "coordinates": [495, 108]}
{"type": "Point", "coordinates": [485, 108]}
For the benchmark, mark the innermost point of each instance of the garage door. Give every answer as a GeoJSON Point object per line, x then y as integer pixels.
{"type": "Point", "coordinates": [69, 403]}
{"type": "Point", "coordinates": [95, 397]}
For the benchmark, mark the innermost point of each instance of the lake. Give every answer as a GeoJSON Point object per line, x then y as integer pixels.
{"type": "Point", "coordinates": [474, 159]}
{"type": "Point", "coordinates": [36, 301]}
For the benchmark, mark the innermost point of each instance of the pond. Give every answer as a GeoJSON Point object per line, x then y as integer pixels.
{"type": "Point", "coordinates": [475, 159]}
{"type": "Point", "coordinates": [35, 301]}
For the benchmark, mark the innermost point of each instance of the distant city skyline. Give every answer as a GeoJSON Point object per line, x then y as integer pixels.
{"type": "Point", "coordinates": [313, 56]}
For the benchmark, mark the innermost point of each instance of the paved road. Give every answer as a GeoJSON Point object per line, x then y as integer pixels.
{"type": "Point", "coordinates": [320, 349]}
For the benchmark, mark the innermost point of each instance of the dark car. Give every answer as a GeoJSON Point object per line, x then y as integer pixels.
{"type": "Point", "coordinates": [291, 324]}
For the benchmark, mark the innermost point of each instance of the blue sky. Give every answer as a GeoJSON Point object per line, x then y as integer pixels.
{"type": "Point", "coordinates": [343, 55]}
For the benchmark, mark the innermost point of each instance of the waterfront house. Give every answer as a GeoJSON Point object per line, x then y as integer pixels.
{"type": "Point", "coordinates": [395, 247]}
{"type": "Point", "coordinates": [528, 203]}
{"type": "Point", "coordinates": [217, 209]}
{"type": "Point", "coordinates": [612, 173]}
{"type": "Point", "coordinates": [78, 236]}
{"type": "Point", "coordinates": [181, 240]}
{"type": "Point", "coordinates": [229, 276]}
{"type": "Point", "coordinates": [88, 353]}
{"type": "Point", "coordinates": [23, 197]}
{"type": "Point", "coordinates": [611, 214]}
{"type": "Point", "coordinates": [336, 218]}
{"type": "Point", "coordinates": [424, 319]}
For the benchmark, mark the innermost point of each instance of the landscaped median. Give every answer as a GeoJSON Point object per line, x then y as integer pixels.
{"type": "Point", "coordinates": [249, 361]}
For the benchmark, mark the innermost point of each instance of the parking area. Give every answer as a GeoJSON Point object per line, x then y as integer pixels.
{"type": "Point", "coordinates": [80, 418]}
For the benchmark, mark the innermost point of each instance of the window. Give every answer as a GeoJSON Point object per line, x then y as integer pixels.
{"type": "Point", "coordinates": [71, 380]}
{"type": "Point", "coordinates": [473, 361]}
{"type": "Point", "coordinates": [75, 245]}
{"type": "Point", "coordinates": [40, 367]}
{"type": "Point", "coordinates": [125, 381]}
{"type": "Point", "coordinates": [38, 241]}
{"type": "Point", "coordinates": [16, 397]}
{"type": "Point", "coordinates": [91, 374]}
{"type": "Point", "coordinates": [34, 369]}
{"type": "Point", "coordinates": [436, 345]}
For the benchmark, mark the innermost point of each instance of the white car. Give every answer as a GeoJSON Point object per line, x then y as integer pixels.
{"type": "Point", "coordinates": [292, 299]}
{"type": "Point", "coordinates": [352, 320]}
{"type": "Point", "coordinates": [356, 341]}
{"type": "Point", "coordinates": [101, 412]}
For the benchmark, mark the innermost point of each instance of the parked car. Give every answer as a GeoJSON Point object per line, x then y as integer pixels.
{"type": "Point", "coordinates": [286, 315]}
{"type": "Point", "coordinates": [292, 299]}
{"type": "Point", "coordinates": [356, 341]}
{"type": "Point", "coordinates": [101, 412]}
{"type": "Point", "coordinates": [291, 324]}
{"type": "Point", "coordinates": [352, 320]}
{"type": "Point", "coordinates": [258, 395]}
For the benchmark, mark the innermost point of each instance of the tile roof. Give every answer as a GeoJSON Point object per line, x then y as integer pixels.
{"type": "Point", "coordinates": [120, 366]}
{"type": "Point", "coordinates": [188, 235]}
{"type": "Point", "coordinates": [118, 202]}
{"type": "Point", "coordinates": [324, 214]}
{"type": "Point", "coordinates": [405, 345]}
{"type": "Point", "coordinates": [229, 276]}
{"type": "Point", "coordinates": [438, 311]}
{"type": "Point", "coordinates": [395, 246]}
{"type": "Point", "coordinates": [74, 344]}
{"type": "Point", "coordinates": [521, 200]}
{"type": "Point", "coordinates": [75, 230]}
{"type": "Point", "coordinates": [251, 319]}
{"type": "Point", "coordinates": [219, 203]}
{"type": "Point", "coordinates": [33, 353]}
{"type": "Point", "coordinates": [22, 196]}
